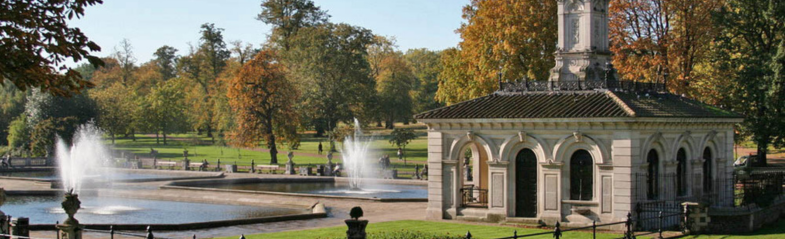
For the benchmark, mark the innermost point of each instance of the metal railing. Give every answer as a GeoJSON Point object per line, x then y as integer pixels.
{"type": "Point", "coordinates": [629, 224]}
{"type": "Point", "coordinates": [635, 86]}
{"type": "Point", "coordinates": [474, 197]}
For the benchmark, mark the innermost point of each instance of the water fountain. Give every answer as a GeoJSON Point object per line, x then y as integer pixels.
{"type": "Point", "coordinates": [354, 155]}
{"type": "Point", "coordinates": [85, 159]}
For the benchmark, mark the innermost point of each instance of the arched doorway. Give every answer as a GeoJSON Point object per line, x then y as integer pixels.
{"type": "Point", "coordinates": [653, 159]}
{"type": "Point", "coordinates": [707, 172]}
{"type": "Point", "coordinates": [526, 184]}
{"type": "Point", "coordinates": [581, 176]}
{"type": "Point", "coordinates": [681, 172]}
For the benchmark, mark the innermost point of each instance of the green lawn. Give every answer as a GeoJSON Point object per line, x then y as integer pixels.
{"type": "Point", "coordinates": [199, 149]}
{"type": "Point", "coordinates": [478, 231]}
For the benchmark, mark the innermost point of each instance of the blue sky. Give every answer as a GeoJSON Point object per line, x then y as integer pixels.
{"type": "Point", "coordinates": [149, 24]}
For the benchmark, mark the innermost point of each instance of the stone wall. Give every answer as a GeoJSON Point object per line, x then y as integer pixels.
{"type": "Point", "coordinates": [740, 220]}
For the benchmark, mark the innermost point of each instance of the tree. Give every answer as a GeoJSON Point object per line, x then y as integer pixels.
{"type": "Point", "coordinates": [287, 17]}
{"type": "Point", "coordinates": [12, 101]}
{"type": "Point", "coordinates": [654, 37]}
{"type": "Point", "coordinates": [166, 61]}
{"type": "Point", "coordinates": [401, 137]}
{"type": "Point", "coordinates": [115, 109]}
{"type": "Point", "coordinates": [454, 85]}
{"type": "Point", "coordinates": [213, 54]}
{"type": "Point", "coordinates": [394, 88]}
{"type": "Point", "coordinates": [328, 63]}
{"type": "Point", "coordinates": [517, 38]}
{"type": "Point", "coordinates": [426, 65]}
{"type": "Point", "coordinates": [263, 100]}
{"type": "Point", "coordinates": [243, 52]}
{"type": "Point", "coordinates": [126, 60]}
{"type": "Point", "coordinates": [35, 42]}
{"type": "Point", "coordinates": [19, 135]}
{"type": "Point", "coordinates": [752, 33]}
{"type": "Point", "coordinates": [166, 107]}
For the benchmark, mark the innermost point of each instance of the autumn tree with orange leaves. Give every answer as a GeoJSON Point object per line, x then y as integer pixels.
{"type": "Point", "coordinates": [653, 39]}
{"type": "Point", "coordinates": [262, 99]}
{"type": "Point", "coordinates": [515, 37]}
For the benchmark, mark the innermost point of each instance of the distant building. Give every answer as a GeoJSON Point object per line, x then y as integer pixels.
{"type": "Point", "coordinates": [583, 146]}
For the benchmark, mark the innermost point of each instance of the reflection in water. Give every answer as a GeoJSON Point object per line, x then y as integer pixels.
{"type": "Point", "coordinates": [107, 210]}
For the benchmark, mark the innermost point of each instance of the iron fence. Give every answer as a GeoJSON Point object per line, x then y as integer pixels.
{"type": "Point", "coordinates": [634, 86]}
{"type": "Point", "coordinates": [474, 197]}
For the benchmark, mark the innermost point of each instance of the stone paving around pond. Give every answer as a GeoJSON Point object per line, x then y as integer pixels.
{"type": "Point", "coordinates": [337, 208]}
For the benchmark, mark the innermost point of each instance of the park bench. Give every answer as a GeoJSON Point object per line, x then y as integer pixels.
{"type": "Point", "coordinates": [198, 165]}
{"type": "Point", "coordinates": [171, 164]}
{"type": "Point", "coordinates": [270, 168]}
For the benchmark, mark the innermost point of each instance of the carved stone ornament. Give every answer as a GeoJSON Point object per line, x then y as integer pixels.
{"type": "Point", "coordinates": [71, 205]}
{"type": "Point", "coordinates": [470, 135]}
{"type": "Point", "coordinates": [522, 136]}
{"type": "Point", "coordinates": [578, 136]}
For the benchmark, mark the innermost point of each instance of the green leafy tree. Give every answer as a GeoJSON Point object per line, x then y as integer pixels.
{"type": "Point", "coordinates": [426, 65]}
{"type": "Point", "coordinates": [401, 137]}
{"type": "Point", "coordinates": [36, 41]}
{"type": "Point", "coordinates": [115, 109]}
{"type": "Point", "coordinates": [752, 32]}
{"type": "Point", "coordinates": [328, 63]}
{"type": "Point", "coordinates": [394, 87]}
{"type": "Point", "coordinates": [213, 54]}
{"type": "Point", "coordinates": [19, 135]}
{"type": "Point", "coordinates": [287, 17]}
{"type": "Point", "coordinates": [166, 61]}
{"type": "Point", "coordinates": [12, 101]}
{"type": "Point", "coordinates": [43, 134]}
{"type": "Point", "coordinates": [166, 106]}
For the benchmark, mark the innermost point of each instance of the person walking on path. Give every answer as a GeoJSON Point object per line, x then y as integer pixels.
{"type": "Point", "coordinates": [320, 147]}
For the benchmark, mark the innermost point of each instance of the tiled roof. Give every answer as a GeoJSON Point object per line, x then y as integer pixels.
{"type": "Point", "coordinates": [575, 104]}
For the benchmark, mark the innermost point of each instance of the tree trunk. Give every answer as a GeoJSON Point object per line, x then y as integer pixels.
{"type": "Point", "coordinates": [156, 138]}
{"type": "Point", "coordinates": [112, 133]}
{"type": "Point", "coordinates": [164, 132]}
{"type": "Point", "coordinates": [210, 133]}
{"type": "Point", "coordinates": [273, 149]}
{"type": "Point", "coordinates": [763, 148]}
{"type": "Point", "coordinates": [133, 134]}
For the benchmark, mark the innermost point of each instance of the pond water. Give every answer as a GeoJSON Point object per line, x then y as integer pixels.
{"type": "Point", "coordinates": [106, 210]}
{"type": "Point", "coordinates": [334, 189]}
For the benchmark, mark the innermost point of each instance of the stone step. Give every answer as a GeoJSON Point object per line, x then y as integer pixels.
{"type": "Point", "coordinates": [525, 222]}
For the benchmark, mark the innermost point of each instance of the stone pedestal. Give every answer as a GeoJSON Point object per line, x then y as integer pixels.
{"type": "Point", "coordinates": [696, 217]}
{"type": "Point", "coordinates": [231, 168]}
{"type": "Point", "coordinates": [20, 227]}
{"type": "Point", "coordinates": [328, 168]}
{"type": "Point", "coordinates": [305, 171]}
{"type": "Point", "coordinates": [290, 164]}
{"type": "Point", "coordinates": [356, 228]}
{"type": "Point", "coordinates": [186, 164]}
{"type": "Point", "coordinates": [70, 231]}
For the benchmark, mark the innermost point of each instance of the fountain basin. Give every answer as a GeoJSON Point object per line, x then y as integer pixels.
{"type": "Point", "coordinates": [133, 214]}
{"type": "Point", "coordinates": [116, 175]}
{"type": "Point", "coordinates": [324, 187]}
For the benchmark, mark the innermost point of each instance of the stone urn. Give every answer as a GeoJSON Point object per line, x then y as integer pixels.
{"type": "Point", "coordinates": [70, 229]}
{"type": "Point", "coordinates": [356, 227]}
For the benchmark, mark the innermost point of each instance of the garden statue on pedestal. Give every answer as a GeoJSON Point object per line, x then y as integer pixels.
{"type": "Point", "coordinates": [290, 164]}
{"type": "Point", "coordinates": [70, 229]}
{"type": "Point", "coordinates": [356, 226]}
{"type": "Point", "coordinates": [328, 171]}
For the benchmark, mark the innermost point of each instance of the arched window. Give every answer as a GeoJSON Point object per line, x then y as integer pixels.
{"type": "Point", "coordinates": [681, 172]}
{"type": "Point", "coordinates": [707, 172]}
{"type": "Point", "coordinates": [653, 179]}
{"type": "Point", "coordinates": [581, 176]}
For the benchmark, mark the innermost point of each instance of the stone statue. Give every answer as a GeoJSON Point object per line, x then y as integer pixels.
{"type": "Point", "coordinates": [70, 229]}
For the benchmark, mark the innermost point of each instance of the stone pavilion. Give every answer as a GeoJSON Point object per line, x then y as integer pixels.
{"type": "Point", "coordinates": [580, 147]}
